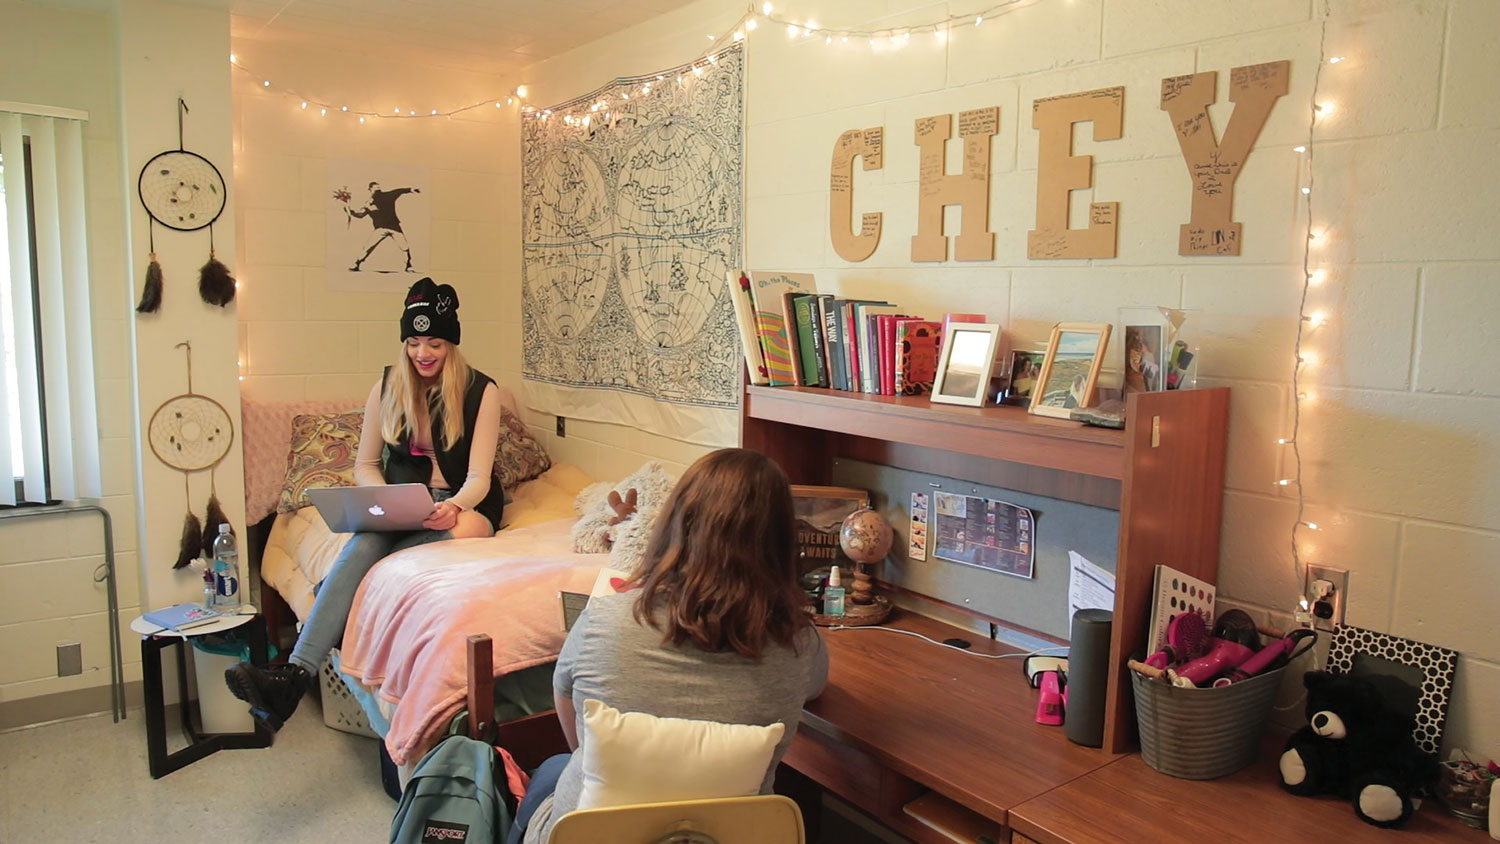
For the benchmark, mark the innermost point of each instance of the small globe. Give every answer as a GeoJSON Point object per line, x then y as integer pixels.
{"type": "Point", "coordinates": [866, 536]}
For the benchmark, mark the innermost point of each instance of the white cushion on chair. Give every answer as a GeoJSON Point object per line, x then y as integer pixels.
{"type": "Point", "coordinates": [632, 757]}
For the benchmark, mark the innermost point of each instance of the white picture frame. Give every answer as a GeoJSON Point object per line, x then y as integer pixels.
{"type": "Point", "coordinates": [966, 362]}
{"type": "Point", "coordinates": [1070, 375]}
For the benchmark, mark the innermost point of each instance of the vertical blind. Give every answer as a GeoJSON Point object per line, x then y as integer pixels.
{"type": "Point", "coordinates": [50, 389]}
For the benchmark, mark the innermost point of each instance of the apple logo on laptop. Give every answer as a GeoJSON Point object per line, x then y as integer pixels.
{"type": "Point", "coordinates": [377, 510]}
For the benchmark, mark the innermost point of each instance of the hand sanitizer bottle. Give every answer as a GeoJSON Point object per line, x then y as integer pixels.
{"type": "Point", "coordinates": [833, 596]}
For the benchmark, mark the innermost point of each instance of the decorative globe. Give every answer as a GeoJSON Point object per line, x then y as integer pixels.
{"type": "Point", "coordinates": [866, 536]}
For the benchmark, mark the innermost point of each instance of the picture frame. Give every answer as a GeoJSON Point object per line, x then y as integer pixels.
{"type": "Point", "coordinates": [965, 363]}
{"type": "Point", "coordinates": [1147, 344]}
{"type": "Point", "coordinates": [1022, 367]}
{"type": "Point", "coordinates": [819, 512]}
{"type": "Point", "coordinates": [1070, 375]}
{"type": "Point", "coordinates": [1414, 677]}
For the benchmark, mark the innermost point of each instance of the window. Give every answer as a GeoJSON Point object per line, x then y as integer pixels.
{"type": "Point", "coordinates": [18, 416]}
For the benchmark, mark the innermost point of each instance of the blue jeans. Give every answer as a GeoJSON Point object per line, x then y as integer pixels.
{"type": "Point", "coordinates": [543, 783]}
{"type": "Point", "coordinates": [324, 627]}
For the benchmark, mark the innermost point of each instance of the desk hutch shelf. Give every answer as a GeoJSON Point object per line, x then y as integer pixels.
{"type": "Point", "coordinates": [1164, 473]}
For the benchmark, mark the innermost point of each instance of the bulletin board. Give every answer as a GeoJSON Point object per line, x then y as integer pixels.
{"type": "Point", "coordinates": [1040, 603]}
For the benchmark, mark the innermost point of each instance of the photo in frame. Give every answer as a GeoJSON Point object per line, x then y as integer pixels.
{"type": "Point", "coordinates": [1070, 373]}
{"type": "Point", "coordinates": [820, 512]}
{"type": "Point", "coordinates": [1024, 366]}
{"type": "Point", "coordinates": [968, 356]}
{"type": "Point", "coordinates": [1415, 678]}
{"type": "Point", "coordinates": [1143, 358]}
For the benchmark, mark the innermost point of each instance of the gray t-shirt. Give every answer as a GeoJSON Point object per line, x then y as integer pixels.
{"type": "Point", "coordinates": [612, 658]}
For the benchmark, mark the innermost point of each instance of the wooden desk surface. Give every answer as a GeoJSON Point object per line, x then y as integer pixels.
{"type": "Point", "coordinates": [1128, 801]}
{"type": "Point", "coordinates": [952, 722]}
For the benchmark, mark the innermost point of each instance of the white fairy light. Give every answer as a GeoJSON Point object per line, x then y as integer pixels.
{"type": "Point", "coordinates": [750, 25]}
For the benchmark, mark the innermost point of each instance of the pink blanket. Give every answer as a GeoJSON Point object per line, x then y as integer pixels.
{"type": "Point", "coordinates": [414, 611]}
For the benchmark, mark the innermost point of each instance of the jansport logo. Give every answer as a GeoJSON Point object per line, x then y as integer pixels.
{"type": "Point", "coordinates": [441, 832]}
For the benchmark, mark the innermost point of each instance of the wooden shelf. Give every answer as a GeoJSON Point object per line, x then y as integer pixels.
{"type": "Point", "coordinates": [996, 433]}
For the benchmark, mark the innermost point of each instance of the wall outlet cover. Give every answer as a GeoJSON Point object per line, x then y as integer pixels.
{"type": "Point", "coordinates": [562, 426]}
{"type": "Point", "coordinates": [69, 659]}
{"type": "Point", "coordinates": [1336, 600]}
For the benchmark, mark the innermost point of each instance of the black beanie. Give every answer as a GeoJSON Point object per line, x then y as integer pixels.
{"type": "Point", "coordinates": [431, 311]}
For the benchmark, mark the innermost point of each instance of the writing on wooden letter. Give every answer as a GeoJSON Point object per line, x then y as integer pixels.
{"type": "Point", "coordinates": [1215, 165]}
{"type": "Point", "coordinates": [869, 145]}
{"type": "Point", "coordinates": [970, 189]}
{"type": "Point", "coordinates": [1059, 171]}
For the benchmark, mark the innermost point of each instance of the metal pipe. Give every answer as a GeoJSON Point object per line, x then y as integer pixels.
{"type": "Point", "coordinates": [116, 656]}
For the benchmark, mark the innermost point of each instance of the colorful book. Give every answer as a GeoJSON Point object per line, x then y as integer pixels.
{"type": "Point", "coordinates": [820, 332]}
{"type": "Point", "coordinates": [771, 323]}
{"type": "Point", "coordinates": [918, 342]}
{"type": "Point", "coordinates": [809, 340]}
{"type": "Point", "coordinates": [744, 317]}
{"type": "Point", "coordinates": [869, 356]}
{"type": "Point", "coordinates": [182, 617]}
{"type": "Point", "coordinates": [886, 331]}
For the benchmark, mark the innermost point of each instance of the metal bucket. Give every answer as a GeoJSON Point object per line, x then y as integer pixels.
{"type": "Point", "coordinates": [1200, 734]}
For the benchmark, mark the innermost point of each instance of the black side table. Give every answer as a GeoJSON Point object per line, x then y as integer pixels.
{"type": "Point", "coordinates": [153, 641]}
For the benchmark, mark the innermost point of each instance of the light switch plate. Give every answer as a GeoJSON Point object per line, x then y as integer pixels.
{"type": "Point", "coordinates": [69, 659]}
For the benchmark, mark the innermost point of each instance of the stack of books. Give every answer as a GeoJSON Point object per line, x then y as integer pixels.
{"type": "Point", "coordinates": [795, 336]}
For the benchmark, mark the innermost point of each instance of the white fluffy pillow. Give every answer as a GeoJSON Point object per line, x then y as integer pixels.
{"type": "Point", "coordinates": [632, 757]}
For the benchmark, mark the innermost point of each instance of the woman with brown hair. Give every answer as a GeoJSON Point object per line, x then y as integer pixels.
{"type": "Point", "coordinates": [711, 629]}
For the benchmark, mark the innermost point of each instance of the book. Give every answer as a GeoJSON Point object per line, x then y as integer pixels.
{"type": "Point", "coordinates": [820, 334]}
{"type": "Point", "coordinates": [867, 346]}
{"type": "Point", "coordinates": [918, 342]}
{"type": "Point", "coordinates": [820, 512]}
{"type": "Point", "coordinates": [182, 617]}
{"type": "Point", "coordinates": [793, 342]}
{"type": "Point", "coordinates": [1173, 592]}
{"type": "Point", "coordinates": [886, 329]}
{"type": "Point", "coordinates": [609, 582]}
{"type": "Point", "coordinates": [771, 323]}
{"type": "Point", "coordinates": [833, 333]}
{"type": "Point", "coordinates": [809, 340]}
{"type": "Point", "coordinates": [744, 317]}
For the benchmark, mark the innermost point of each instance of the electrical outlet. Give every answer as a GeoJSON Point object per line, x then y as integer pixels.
{"type": "Point", "coordinates": [1327, 591]}
{"type": "Point", "coordinates": [562, 426]}
{"type": "Point", "coordinates": [69, 659]}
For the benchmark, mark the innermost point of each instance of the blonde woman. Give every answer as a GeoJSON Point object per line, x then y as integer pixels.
{"type": "Point", "coordinates": [431, 419]}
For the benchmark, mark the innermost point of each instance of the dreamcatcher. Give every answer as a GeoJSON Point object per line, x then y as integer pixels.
{"type": "Point", "coordinates": [191, 433]}
{"type": "Point", "coordinates": [183, 191]}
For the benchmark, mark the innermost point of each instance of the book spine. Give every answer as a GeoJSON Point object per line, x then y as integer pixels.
{"type": "Point", "coordinates": [870, 347]}
{"type": "Point", "coordinates": [887, 326]}
{"type": "Point", "coordinates": [808, 347]}
{"type": "Point", "coordinates": [794, 348]}
{"type": "Point", "coordinates": [820, 328]}
{"type": "Point", "coordinates": [772, 330]}
{"type": "Point", "coordinates": [819, 343]}
{"type": "Point", "coordinates": [831, 344]}
{"type": "Point", "coordinates": [744, 316]}
{"type": "Point", "coordinates": [851, 347]}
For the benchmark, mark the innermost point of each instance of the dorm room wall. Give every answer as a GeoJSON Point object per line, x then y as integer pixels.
{"type": "Point", "coordinates": [299, 338]}
{"type": "Point", "coordinates": [1399, 434]}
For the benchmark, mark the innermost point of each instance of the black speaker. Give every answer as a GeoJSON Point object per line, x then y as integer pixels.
{"type": "Point", "coordinates": [1088, 676]}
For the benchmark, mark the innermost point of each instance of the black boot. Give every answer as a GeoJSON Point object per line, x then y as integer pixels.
{"type": "Point", "coordinates": [272, 693]}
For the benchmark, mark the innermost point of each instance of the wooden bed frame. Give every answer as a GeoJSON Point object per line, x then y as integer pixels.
{"type": "Point", "coordinates": [530, 740]}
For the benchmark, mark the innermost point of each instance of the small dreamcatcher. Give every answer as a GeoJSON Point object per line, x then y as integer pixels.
{"type": "Point", "coordinates": [192, 433]}
{"type": "Point", "coordinates": [184, 191]}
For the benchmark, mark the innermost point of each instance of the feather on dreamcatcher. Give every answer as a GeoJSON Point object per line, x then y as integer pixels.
{"type": "Point", "coordinates": [184, 191]}
{"type": "Point", "coordinates": [192, 433]}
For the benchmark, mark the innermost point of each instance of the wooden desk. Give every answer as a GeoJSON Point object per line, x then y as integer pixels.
{"type": "Point", "coordinates": [1128, 801]}
{"type": "Point", "coordinates": [902, 718]}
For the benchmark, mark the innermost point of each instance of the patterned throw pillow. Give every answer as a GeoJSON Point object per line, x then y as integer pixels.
{"type": "Point", "coordinates": [518, 457]}
{"type": "Point", "coordinates": [322, 454]}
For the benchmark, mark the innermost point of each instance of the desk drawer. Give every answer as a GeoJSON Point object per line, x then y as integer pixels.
{"type": "Point", "coordinates": [948, 821]}
{"type": "Point", "coordinates": [838, 768]}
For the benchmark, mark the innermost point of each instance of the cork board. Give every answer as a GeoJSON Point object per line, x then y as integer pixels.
{"type": "Point", "coordinates": [1214, 165]}
{"type": "Point", "coordinates": [869, 146]}
{"type": "Point", "coordinates": [969, 189]}
{"type": "Point", "coordinates": [1059, 171]}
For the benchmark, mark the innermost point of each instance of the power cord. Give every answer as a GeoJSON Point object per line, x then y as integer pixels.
{"type": "Point", "coordinates": [1061, 648]}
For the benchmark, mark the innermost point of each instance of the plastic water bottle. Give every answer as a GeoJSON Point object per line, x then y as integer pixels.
{"type": "Point", "coordinates": [226, 571]}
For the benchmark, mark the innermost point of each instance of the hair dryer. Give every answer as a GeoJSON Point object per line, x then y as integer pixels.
{"type": "Point", "coordinates": [1268, 657]}
{"type": "Point", "coordinates": [1222, 657]}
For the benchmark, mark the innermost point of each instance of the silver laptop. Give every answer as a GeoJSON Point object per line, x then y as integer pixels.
{"type": "Point", "coordinates": [394, 507]}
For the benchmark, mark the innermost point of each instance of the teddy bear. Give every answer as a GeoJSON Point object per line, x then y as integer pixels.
{"type": "Point", "coordinates": [617, 517]}
{"type": "Point", "coordinates": [1357, 748]}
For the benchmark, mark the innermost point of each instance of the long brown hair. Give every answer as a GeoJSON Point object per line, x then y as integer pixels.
{"type": "Point", "coordinates": [404, 403]}
{"type": "Point", "coordinates": [721, 565]}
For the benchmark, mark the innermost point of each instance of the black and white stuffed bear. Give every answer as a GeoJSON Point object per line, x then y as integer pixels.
{"type": "Point", "coordinates": [1356, 748]}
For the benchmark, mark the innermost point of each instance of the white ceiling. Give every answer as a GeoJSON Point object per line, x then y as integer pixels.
{"type": "Point", "coordinates": [487, 36]}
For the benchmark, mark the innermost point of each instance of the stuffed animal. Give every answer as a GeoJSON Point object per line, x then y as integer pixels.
{"type": "Point", "coordinates": [618, 517]}
{"type": "Point", "coordinates": [1356, 748]}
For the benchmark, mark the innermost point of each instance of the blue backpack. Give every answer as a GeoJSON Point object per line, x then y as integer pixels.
{"type": "Point", "coordinates": [452, 798]}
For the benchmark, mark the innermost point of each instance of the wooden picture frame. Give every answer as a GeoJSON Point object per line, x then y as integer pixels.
{"type": "Point", "coordinates": [1414, 677]}
{"type": "Point", "coordinates": [965, 364]}
{"type": "Point", "coordinates": [1070, 375]}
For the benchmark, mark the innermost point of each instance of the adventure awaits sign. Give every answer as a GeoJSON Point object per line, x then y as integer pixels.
{"type": "Point", "coordinates": [1214, 164]}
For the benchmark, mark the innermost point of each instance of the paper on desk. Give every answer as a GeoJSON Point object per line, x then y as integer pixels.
{"type": "Point", "coordinates": [1089, 586]}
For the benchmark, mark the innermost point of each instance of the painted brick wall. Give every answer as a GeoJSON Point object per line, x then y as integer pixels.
{"type": "Point", "coordinates": [1400, 438]}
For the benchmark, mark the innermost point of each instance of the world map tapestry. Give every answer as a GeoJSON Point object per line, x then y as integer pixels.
{"type": "Point", "coordinates": [631, 219]}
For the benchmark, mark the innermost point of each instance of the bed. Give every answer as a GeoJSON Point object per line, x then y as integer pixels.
{"type": "Point", "coordinates": [405, 655]}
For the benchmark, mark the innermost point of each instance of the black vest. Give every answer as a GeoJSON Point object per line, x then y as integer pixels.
{"type": "Point", "coordinates": [403, 467]}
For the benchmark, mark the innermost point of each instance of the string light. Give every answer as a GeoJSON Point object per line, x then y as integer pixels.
{"type": "Point", "coordinates": [1335, 59]}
